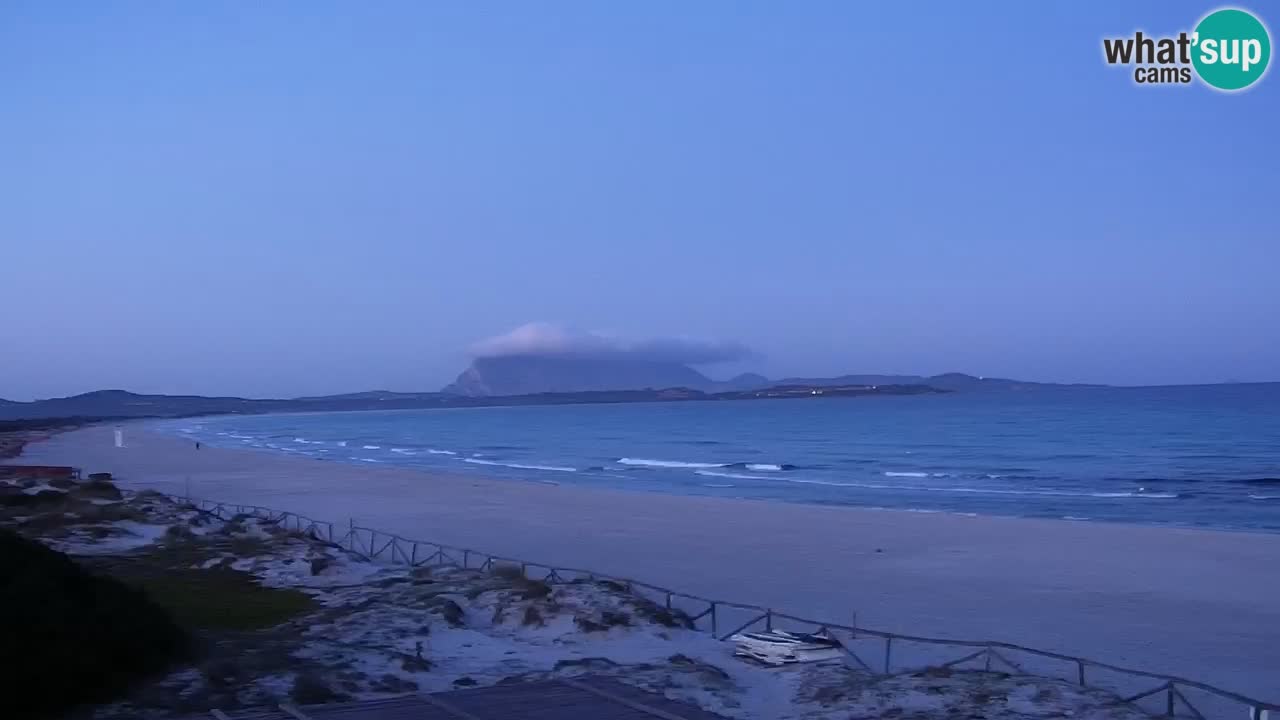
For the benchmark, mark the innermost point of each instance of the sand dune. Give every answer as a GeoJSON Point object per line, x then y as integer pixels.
{"type": "Point", "coordinates": [1201, 604]}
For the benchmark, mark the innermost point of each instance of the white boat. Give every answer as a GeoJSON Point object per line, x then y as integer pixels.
{"type": "Point", "coordinates": [779, 647]}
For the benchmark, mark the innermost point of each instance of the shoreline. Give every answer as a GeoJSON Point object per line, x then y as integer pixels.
{"type": "Point", "coordinates": [146, 426]}
{"type": "Point", "coordinates": [1108, 590]}
{"type": "Point", "coordinates": [598, 478]}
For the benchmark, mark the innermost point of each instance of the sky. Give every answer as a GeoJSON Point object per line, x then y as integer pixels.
{"type": "Point", "coordinates": [288, 198]}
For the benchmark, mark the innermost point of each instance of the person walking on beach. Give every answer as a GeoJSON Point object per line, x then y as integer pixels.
{"type": "Point", "coordinates": [197, 444]}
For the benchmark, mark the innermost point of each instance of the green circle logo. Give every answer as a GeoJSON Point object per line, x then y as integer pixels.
{"type": "Point", "coordinates": [1232, 49]}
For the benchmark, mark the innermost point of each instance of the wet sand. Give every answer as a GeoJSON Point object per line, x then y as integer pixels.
{"type": "Point", "coordinates": [1196, 603]}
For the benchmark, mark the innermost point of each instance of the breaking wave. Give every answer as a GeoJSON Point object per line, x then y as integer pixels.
{"type": "Point", "coordinates": [990, 491]}
{"type": "Point", "coordinates": [645, 462]}
{"type": "Point", "coordinates": [520, 466]}
{"type": "Point", "coordinates": [736, 476]}
{"type": "Point", "coordinates": [762, 467]}
{"type": "Point", "coordinates": [759, 467]}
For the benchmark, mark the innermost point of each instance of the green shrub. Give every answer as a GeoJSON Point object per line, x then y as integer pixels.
{"type": "Point", "coordinates": [508, 571]}
{"type": "Point", "coordinates": [99, 488]}
{"type": "Point", "coordinates": [311, 689]}
{"type": "Point", "coordinates": [218, 599]}
{"type": "Point", "coordinates": [92, 637]}
{"type": "Point", "coordinates": [41, 499]}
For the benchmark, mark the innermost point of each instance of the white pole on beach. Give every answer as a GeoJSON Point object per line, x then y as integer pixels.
{"type": "Point", "coordinates": [119, 438]}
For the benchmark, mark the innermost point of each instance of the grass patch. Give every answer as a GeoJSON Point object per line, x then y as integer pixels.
{"type": "Point", "coordinates": [450, 610]}
{"type": "Point", "coordinates": [608, 619]}
{"type": "Point", "coordinates": [508, 571]}
{"type": "Point", "coordinates": [98, 488]}
{"type": "Point", "coordinates": [88, 514]}
{"type": "Point", "coordinates": [311, 689]}
{"type": "Point", "coordinates": [215, 599]}
{"type": "Point", "coordinates": [222, 599]}
{"type": "Point", "coordinates": [667, 617]}
{"type": "Point", "coordinates": [532, 616]}
{"type": "Point", "coordinates": [247, 546]}
{"type": "Point", "coordinates": [530, 589]}
{"type": "Point", "coordinates": [534, 589]}
{"type": "Point", "coordinates": [210, 599]}
{"type": "Point", "coordinates": [42, 499]}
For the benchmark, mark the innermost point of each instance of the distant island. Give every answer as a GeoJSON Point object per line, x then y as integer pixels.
{"type": "Point", "coordinates": [540, 373]}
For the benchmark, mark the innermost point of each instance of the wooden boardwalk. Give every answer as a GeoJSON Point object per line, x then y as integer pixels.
{"type": "Point", "coordinates": [586, 698]}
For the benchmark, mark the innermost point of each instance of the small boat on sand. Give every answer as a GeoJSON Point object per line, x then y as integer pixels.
{"type": "Point", "coordinates": [779, 647]}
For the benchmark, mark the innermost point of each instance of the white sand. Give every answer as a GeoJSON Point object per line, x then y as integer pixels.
{"type": "Point", "coordinates": [1201, 604]}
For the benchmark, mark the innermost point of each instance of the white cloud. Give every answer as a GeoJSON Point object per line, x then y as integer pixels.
{"type": "Point", "coordinates": [548, 340]}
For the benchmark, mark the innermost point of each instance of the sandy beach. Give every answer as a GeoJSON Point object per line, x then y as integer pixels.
{"type": "Point", "coordinates": [1200, 604]}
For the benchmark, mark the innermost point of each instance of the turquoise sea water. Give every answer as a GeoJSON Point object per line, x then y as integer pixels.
{"type": "Point", "coordinates": [1199, 456]}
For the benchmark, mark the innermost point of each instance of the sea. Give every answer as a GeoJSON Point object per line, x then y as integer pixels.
{"type": "Point", "coordinates": [1197, 456]}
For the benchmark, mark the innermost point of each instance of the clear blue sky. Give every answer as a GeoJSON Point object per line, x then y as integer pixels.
{"type": "Point", "coordinates": [305, 197]}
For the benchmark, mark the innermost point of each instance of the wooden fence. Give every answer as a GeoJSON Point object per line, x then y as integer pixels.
{"type": "Point", "coordinates": [874, 651]}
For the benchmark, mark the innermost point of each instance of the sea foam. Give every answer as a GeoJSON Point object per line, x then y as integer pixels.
{"type": "Point", "coordinates": [520, 466]}
{"type": "Point", "coordinates": [738, 476]}
{"type": "Point", "coordinates": [645, 462]}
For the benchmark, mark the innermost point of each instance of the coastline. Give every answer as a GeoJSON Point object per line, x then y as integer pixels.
{"type": "Point", "coordinates": [1026, 456]}
{"type": "Point", "coordinates": [1178, 600]}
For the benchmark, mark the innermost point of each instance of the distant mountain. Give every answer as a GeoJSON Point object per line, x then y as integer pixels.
{"type": "Point", "coordinates": [121, 403]}
{"type": "Point", "coordinates": [523, 375]}
{"type": "Point", "coordinates": [745, 381]}
{"type": "Point", "coordinates": [946, 381]}
{"type": "Point", "coordinates": [526, 374]}
{"type": "Point", "coordinates": [518, 381]}
{"type": "Point", "coordinates": [108, 405]}
{"type": "Point", "coordinates": [374, 395]}
{"type": "Point", "coordinates": [124, 404]}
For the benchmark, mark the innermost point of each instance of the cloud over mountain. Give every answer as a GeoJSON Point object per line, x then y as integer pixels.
{"type": "Point", "coordinates": [547, 340]}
